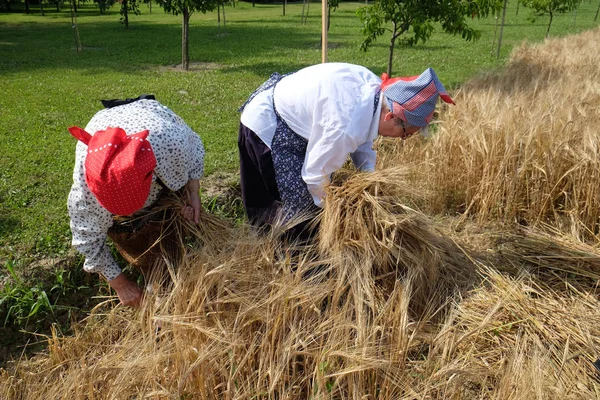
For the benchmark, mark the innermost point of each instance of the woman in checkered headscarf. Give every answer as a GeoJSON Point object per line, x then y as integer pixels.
{"type": "Point", "coordinates": [297, 129]}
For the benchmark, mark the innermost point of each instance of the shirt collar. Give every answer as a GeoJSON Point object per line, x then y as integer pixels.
{"type": "Point", "coordinates": [374, 127]}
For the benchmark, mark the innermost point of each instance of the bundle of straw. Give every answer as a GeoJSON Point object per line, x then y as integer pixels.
{"type": "Point", "coordinates": [368, 229]}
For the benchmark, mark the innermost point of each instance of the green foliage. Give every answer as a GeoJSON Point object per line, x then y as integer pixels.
{"type": "Point", "coordinates": [177, 7]}
{"type": "Point", "coordinates": [104, 5]}
{"type": "Point", "coordinates": [128, 7]}
{"type": "Point", "coordinates": [420, 16]}
{"type": "Point", "coordinates": [540, 8]}
{"type": "Point", "coordinates": [333, 4]}
{"type": "Point", "coordinates": [35, 306]}
{"type": "Point", "coordinates": [19, 303]}
{"type": "Point", "coordinates": [232, 208]}
{"type": "Point", "coordinates": [543, 7]}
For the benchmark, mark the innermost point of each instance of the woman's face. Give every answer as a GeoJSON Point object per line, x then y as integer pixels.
{"type": "Point", "coordinates": [392, 126]}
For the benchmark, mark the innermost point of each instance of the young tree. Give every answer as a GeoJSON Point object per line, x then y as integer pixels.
{"type": "Point", "coordinates": [127, 7]}
{"type": "Point", "coordinates": [305, 3]}
{"type": "Point", "coordinates": [75, 26]}
{"type": "Point", "coordinates": [104, 5]}
{"type": "Point", "coordinates": [186, 8]}
{"type": "Point", "coordinates": [331, 5]}
{"type": "Point", "coordinates": [221, 6]}
{"type": "Point", "coordinates": [415, 18]}
{"type": "Point", "coordinates": [501, 28]}
{"type": "Point", "coordinates": [540, 8]}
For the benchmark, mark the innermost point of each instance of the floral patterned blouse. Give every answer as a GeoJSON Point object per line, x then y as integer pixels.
{"type": "Point", "coordinates": [179, 157]}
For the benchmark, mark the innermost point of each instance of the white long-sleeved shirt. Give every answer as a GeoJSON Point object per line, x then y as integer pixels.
{"type": "Point", "coordinates": [179, 157]}
{"type": "Point", "coordinates": [330, 105]}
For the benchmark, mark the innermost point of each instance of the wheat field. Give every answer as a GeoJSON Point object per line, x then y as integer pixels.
{"type": "Point", "coordinates": [466, 267]}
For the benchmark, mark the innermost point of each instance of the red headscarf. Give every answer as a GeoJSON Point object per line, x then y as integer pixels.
{"type": "Point", "coordinates": [118, 168]}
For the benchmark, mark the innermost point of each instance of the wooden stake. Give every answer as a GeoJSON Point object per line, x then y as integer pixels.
{"type": "Point", "coordinates": [324, 4]}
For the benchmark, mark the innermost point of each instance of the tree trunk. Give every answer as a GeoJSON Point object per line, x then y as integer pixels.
{"type": "Point", "coordinates": [26, 6]}
{"type": "Point", "coordinates": [124, 7]}
{"type": "Point", "coordinates": [518, 4]}
{"type": "Point", "coordinates": [391, 52]}
{"type": "Point", "coordinates": [501, 29]}
{"type": "Point", "coordinates": [185, 54]}
{"type": "Point", "coordinates": [549, 24]}
{"type": "Point", "coordinates": [597, 12]}
{"type": "Point", "coordinates": [224, 22]}
{"type": "Point", "coordinates": [284, 1]}
{"type": "Point", "coordinates": [253, 3]}
{"type": "Point", "coordinates": [74, 24]}
{"type": "Point", "coordinates": [150, 5]}
{"type": "Point", "coordinates": [219, 15]}
{"type": "Point", "coordinates": [305, 16]}
{"type": "Point", "coordinates": [42, 7]}
{"type": "Point", "coordinates": [495, 33]}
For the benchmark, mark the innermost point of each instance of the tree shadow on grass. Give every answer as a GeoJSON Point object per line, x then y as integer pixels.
{"type": "Point", "coordinates": [35, 46]}
{"type": "Point", "coordinates": [8, 225]}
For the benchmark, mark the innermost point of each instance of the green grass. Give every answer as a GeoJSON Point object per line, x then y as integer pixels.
{"type": "Point", "coordinates": [46, 86]}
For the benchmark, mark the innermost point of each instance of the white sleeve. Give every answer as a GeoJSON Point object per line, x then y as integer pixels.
{"type": "Point", "coordinates": [339, 128]}
{"type": "Point", "coordinates": [90, 223]}
{"type": "Point", "coordinates": [195, 155]}
{"type": "Point", "coordinates": [364, 157]}
{"type": "Point", "coordinates": [326, 153]}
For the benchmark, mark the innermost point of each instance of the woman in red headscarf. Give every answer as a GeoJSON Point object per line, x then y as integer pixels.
{"type": "Point", "coordinates": [129, 157]}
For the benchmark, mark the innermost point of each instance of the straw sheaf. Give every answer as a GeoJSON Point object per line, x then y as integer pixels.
{"type": "Point", "coordinates": [524, 340]}
{"type": "Point", "coordinates": [212, 231]}
{"type": "Point", "coordinates": [368, 227]}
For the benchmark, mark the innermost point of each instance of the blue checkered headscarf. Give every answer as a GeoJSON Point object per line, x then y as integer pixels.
{"type": "Point", "coordinates": [413, 99]}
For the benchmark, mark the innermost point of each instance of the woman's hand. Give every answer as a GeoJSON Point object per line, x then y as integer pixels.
{"type": "Point", "coordinates": [191, 211]}
{"type": "Point", "coordinates": [129, 293]}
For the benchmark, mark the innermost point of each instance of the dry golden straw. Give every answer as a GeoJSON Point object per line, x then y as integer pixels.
{"type": "Point", "coordinates": [471, 272]}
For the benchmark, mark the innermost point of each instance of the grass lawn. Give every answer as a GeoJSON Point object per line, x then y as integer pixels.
{"type": "Point", "coordinates": [46, 86]}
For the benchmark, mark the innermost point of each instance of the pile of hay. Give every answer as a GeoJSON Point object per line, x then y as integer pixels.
{"type": "Point", "coordinates": [396, 299]}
